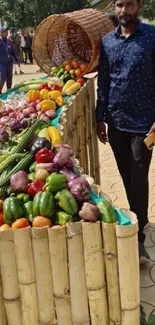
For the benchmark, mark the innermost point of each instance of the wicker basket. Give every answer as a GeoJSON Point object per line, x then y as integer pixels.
{"type": "Point", "coordinates": [70, 36]}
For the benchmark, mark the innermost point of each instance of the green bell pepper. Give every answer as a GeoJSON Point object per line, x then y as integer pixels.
{"type": "Point", "coordinates": [12, 209]}
{"type": "Point", "coordinates": [31, 177]}
{"type": "Point", "coordinates": [32, 167]}
{"type": "Point", "coordinates": [67, 202]}
{"type": "Point", "coordinates": [24, 197]}
{"type": "Point", "coordinates": [107, 212]}
{"type": "Point", "coordinates": [55, 182]}
{"type": "Point", "coordinates": [43, 204]}
{"type": "Point", "coordinates": [62, 218]}
{"type": "Point", "coordinates": [28, 211]}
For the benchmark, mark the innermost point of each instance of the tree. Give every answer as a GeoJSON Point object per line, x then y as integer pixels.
{"type": "Point", "coordinates": [21, 13]}
{"type": "Point", "coordinates": [148, 10]}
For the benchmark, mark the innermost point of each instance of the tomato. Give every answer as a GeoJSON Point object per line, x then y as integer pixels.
{"type": "Point", "coordinates": [75, 64]}
{"type": "Point", "coordinates": [20, 223]}
{"type": "Point", "coordinates": [81, 81]}
{"type": "Point", "coordinates": [68, 67]}
{"type": "Point", "coordinates": [40, 221]}
{"type": "Point", "coordinates": [5, 227]}
{"type": "Point", "coordinates": [83, 67]}
{"type": "Point", "coordinates": [1, 219]}
{"type": "Point", "coordinates": [55, 87]}
{"type": "Point", "coordinates": [78, 73]}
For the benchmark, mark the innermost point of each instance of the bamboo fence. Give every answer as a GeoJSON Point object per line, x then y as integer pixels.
{"type": "Point", "coordinates": [78, 274]}
{"type": "Point", "coordinates": [77, 123]}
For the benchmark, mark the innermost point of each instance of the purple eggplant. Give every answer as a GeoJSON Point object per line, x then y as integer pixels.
{"type": "Point", "coordinates": [89, 212]}
{"type": "Point", "coordinates": [80, 192]}
{"type": "Point", "coordinates": [69, 164]}
{"type": "Point", "coordinates": [69, 174]}
{"type": "Point", "coordinates": [3, 135]}
{"type": "Point", "coordinates": [80, 180]}
{"type": "Point", "coordinates": [61, 158]}
{"type": "Point", "coordinates": [15, 125]}
{"type": "Point", "coordinates": [63, 147]}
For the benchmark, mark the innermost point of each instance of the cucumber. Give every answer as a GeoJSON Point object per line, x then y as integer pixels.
{"type": "Point", "coordinates": [107, 212]}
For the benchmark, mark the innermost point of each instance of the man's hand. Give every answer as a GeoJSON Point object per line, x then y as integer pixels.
{"type": "Point", "coordinates": [102, 132]}
{"type": "Point", "coordinates": [152, 129]}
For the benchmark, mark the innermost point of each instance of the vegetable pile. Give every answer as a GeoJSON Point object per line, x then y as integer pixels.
{"type": "Point", "coordinates": [40, 186]}
{"type": "Point", "coordinates": [36, 99]}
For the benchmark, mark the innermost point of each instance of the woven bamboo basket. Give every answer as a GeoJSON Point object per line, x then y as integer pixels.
{"type": "Point", "coordinates": [70, 36]}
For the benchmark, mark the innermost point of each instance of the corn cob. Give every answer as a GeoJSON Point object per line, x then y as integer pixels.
{"type": "Point", "coordinates": [26, 137]}
{"type": "Point", "coordinates": [22, 164]}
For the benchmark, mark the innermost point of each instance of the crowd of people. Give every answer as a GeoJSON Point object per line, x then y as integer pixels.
{"type": "Point", "coordinates": [22, 45]}
{"type": "Point", "coordinates": [15, 48]}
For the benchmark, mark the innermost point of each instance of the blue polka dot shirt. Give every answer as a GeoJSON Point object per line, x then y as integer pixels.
{"type": "Point", "coordinates": [126, 80]}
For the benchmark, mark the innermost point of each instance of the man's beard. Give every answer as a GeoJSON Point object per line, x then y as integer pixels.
{"type": "Point", "coordinates": [127, 20]}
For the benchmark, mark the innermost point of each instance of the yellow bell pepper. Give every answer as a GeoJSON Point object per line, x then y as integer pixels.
{"type": "Point", "coordinates": [44, 94]}
{"type": "Point", "coordinates": [33, 95]}
{"type": "Point", "coordinates": [60, 101]}
{"type": "Point", "coordinates": [47, 104]}
{"type": "Point", "coordinates": [54, 94]}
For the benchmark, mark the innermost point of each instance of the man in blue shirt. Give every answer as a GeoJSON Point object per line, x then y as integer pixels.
{"type": "Point", "coordinates": [126, 102]}
{"type": "Point", "coordinates": [6, 59]}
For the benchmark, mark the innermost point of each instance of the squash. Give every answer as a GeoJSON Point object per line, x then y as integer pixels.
{"type": "Point", "coordinates": [33, 95]}
{"type": "Point", "coordinates": [67, 85]}
{"type": "Point", "coordinates": [54, 135]}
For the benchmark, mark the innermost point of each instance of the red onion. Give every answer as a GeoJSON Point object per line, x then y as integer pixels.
{"type": "Point", "coordinates": [51, 113]}
{"type": "Point", "coordinates": [80, 180]}
{"type": "Point", "coordinates": [89, 212]}
{"type": "Point", "coordinates": [19, 182]}
{"type": "Point", "coordinates": [69, 164]}
{"type": "Point", "coordinates": [61, 158]}
{"type": "Point", "coordinates": [69, 174]}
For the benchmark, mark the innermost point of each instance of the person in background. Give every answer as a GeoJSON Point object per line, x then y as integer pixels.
{"type": "Point", "coordinates": [126, 102]}
{"type": "Point", "coordinates": [23, 46]}
{"type": "Point", "coordinates": [28, 40]}
{"type": "Point", "coordinates": [15, 40]}
{"type": "Point", "coordinates": [7, 54]}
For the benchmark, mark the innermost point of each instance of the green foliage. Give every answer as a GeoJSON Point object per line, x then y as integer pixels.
{"type": "Point", "coordinates": [21, 13]}
{"type": "Point", "coordinates": [148, 10]}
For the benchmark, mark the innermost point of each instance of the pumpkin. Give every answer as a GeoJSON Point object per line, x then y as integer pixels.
{"type": "Point", "coordinates": [33, 95]}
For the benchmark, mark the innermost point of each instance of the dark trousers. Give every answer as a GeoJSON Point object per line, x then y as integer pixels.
{"type": "Point", "coordinates": [133, 161]}
{"type": "Point", "coordinates": [6, 71]}
{"type": "Point", "coordinates": [29, 51]}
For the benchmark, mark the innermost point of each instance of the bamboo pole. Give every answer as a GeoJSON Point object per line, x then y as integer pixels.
{"type": "Point", "coordinates": [79, 298]}
{"type": "Point", "coordinates": [59, 266]}
{"type": "Point", "coordinates": [112, 277]}
{"type": "Point", "coordinates": [26, 275]}
{"type": "Point", "coordinates": [92, 101]}
{"type": "Point", "coordinates": [128, 263]}
{"type": "Point", "coordinates": [8, 266]}
{"type": "Point", "coordinates": [90, 132]}
{"type": "Point", "coordinates": [43, 273]}
{"type": "Point", "coordinates": [95, 273]}
{"type": "Point", "coordinates": [9, 279]}
{"type": "Point", "coordinates": [13, 312]}
{"type": "Point", "coordinates": [2, 309]}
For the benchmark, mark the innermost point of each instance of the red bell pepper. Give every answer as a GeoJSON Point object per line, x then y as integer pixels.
{"type": "Point", "coordinates": [56, 87]}
{"type": "Point", "coordinates": [44, 86]}
{"type": "Point", "coordinates": [44, 155]}
{"type": "Point", "coordinates": [35, 187]}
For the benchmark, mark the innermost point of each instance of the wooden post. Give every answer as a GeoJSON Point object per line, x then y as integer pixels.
{"type": "Point", "coordinates": [44, 283]}
{"type": "Point", "coordinates": [9, 279]}
{"type": "Point", "coordinates": [79, 298]}
{"type": "Point", "coordinates": [59, 266]}
{"type": "Point", "coordinates": [26, 275]}
{"type": "Point", "coordinates": [128, 263]}
{"type": "Point", "coordinates": [95, 273]}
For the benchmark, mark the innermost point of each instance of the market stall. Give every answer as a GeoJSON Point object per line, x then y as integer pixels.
{"type": "Point", "coordinates": [66, 252]}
